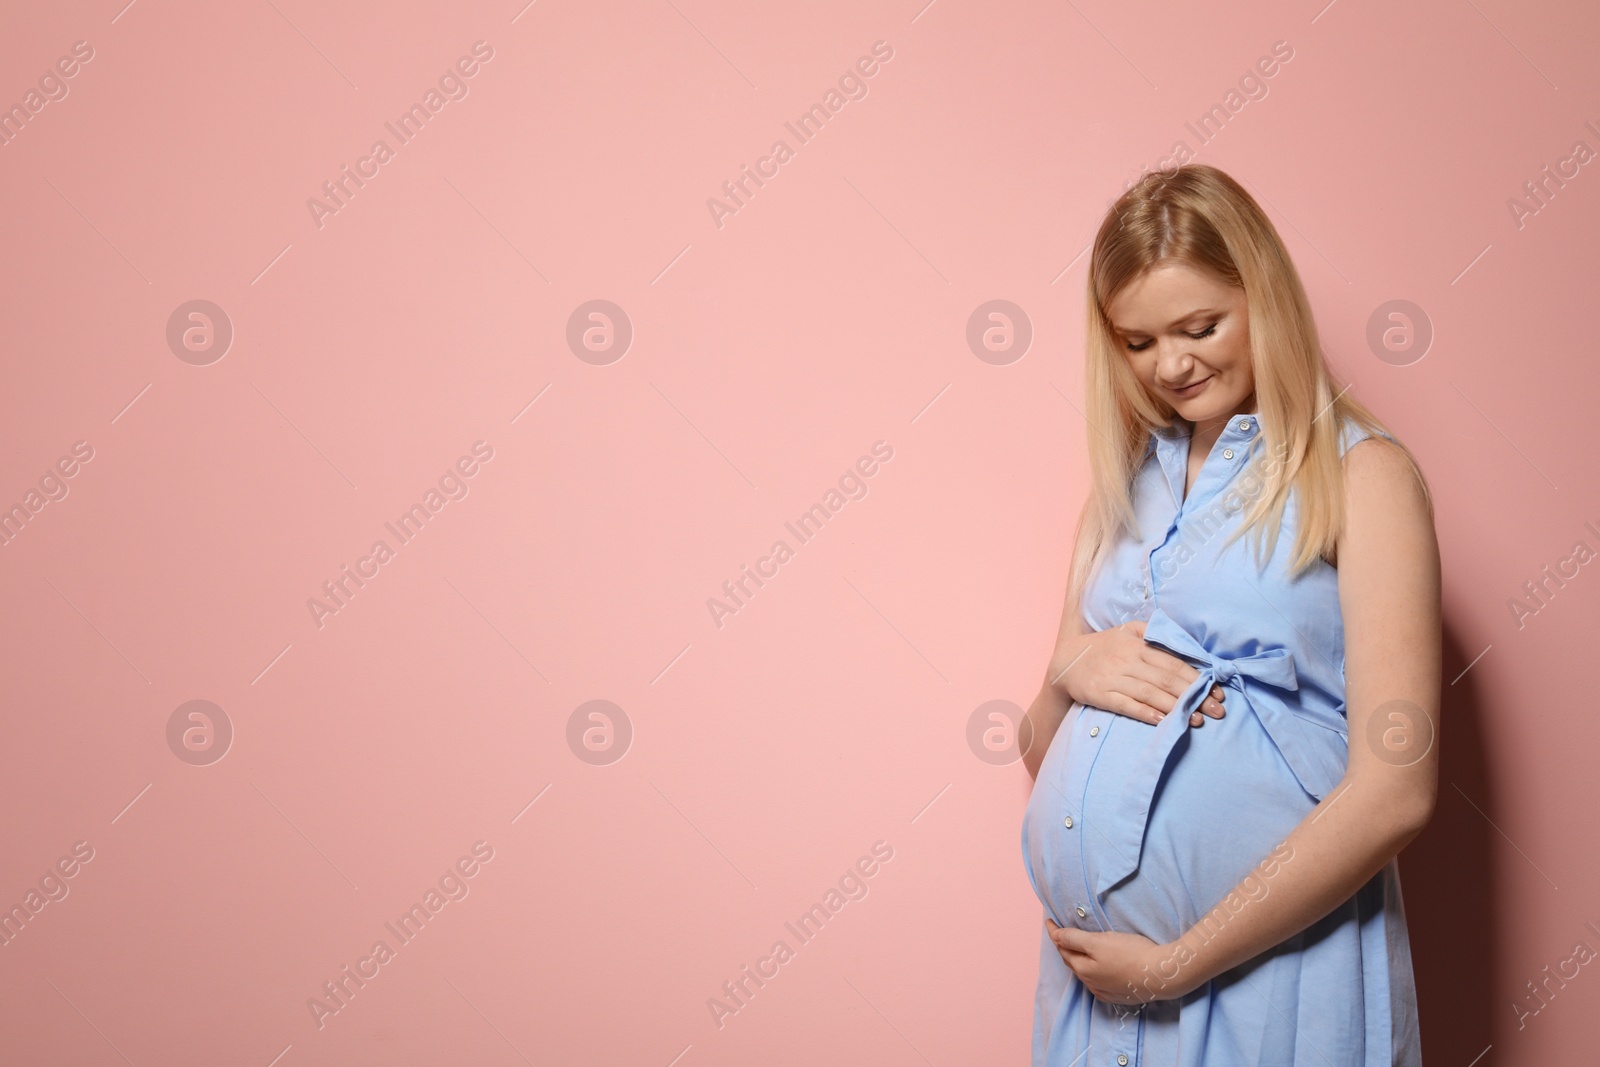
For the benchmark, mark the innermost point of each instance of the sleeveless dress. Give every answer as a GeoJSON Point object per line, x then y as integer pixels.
{"type": "Point", "coordinates": [1145, 829]}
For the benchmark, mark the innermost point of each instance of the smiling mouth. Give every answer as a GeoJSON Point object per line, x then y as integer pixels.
{"type": "Point", "coordinates": [1190, 389]}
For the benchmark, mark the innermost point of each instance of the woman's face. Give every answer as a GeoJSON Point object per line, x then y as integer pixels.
{"type": "Point", "coordinates": [1186, 335]}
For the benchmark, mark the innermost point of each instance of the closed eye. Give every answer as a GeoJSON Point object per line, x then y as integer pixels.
{"type": "Point", "coordinates": [1202, 335]}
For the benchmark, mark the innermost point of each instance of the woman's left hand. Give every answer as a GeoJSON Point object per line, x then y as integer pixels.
{"type": "Point", "coordinates": [1121, 968]}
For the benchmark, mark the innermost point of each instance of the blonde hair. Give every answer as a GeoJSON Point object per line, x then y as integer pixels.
{"type": "Point", "coordinates": [1200, 217]}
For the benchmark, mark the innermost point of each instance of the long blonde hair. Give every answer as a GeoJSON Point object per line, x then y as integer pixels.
{"type": "Point", "coordinates": [1200, 217]}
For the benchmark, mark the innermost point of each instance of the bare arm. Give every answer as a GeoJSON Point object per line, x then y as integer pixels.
{"type": "Point", "coordinates": [1044, 715]}
{"type": "Point", "coordinates": [1389, 592]}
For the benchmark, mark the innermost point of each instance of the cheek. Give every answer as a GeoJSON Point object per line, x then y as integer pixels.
{"type": "Point", "coordinates": [1235, 354]}
{"type": "Point", "coordinates": [1241, 366]}
{"type": "Point", "coordinates": [1239, 345]}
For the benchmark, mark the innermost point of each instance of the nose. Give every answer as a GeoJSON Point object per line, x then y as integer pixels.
{"type": "Point", "coordinates": [1174, 364]}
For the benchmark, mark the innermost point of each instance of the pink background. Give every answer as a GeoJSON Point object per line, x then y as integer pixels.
{"type": "Point", "coordinates": [768, 354]}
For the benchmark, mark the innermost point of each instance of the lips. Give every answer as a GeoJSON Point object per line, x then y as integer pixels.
{"type": "Point", "coordinates": [1191, 389]}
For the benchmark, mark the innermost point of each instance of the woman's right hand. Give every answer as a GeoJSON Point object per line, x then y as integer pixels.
{"type": "Point", "coordinates": [1115, 670]}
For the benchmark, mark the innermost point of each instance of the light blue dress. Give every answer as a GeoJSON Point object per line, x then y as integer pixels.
{"type": "Point", "coordinates": [1144, 829]}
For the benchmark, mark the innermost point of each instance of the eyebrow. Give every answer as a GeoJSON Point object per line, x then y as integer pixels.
{"type": "Point", "coordinates": [1197, 313]}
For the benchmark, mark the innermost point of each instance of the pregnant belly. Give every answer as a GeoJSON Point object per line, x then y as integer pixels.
{"type": "Point", "coordinates": [1226, 800]}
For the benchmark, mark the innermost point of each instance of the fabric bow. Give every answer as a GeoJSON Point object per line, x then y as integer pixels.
{"type": "Point", "coordinates": [1317, 760]}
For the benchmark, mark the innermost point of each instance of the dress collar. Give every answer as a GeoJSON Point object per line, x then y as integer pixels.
{"type": "Point", "coordinates": [1170, 446]}
{"type": "Point", "coordinates": [1241, 428]}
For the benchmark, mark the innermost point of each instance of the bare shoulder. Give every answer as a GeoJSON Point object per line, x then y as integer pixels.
{"type": "Point", "coordinates": [1386, 504]}
{"type": "Point", "coordinates": [1378, 470]}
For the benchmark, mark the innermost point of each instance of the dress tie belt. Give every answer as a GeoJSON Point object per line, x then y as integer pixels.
{"type": "Point", "coordinates": [1314, 743]}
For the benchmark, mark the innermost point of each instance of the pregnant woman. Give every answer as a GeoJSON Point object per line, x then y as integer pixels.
{"type": "Point", "coordinates": [1238, 729]}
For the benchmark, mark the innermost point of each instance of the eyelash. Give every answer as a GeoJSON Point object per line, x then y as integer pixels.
{"type": "Point", "coordinates": [1202, 335]}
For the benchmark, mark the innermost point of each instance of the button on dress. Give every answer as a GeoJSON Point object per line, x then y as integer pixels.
{"type": "Point", "coordinates": [1145, 829]}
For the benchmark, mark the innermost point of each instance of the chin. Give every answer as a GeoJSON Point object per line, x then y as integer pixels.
{"type": "Point", "coordinates": [1207, 406]}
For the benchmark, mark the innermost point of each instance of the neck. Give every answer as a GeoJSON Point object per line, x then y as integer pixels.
{"type": "Point", "coordinates": [1204, 433]}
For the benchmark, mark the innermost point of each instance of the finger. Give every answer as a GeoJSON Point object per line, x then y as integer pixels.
{"type": "Point", "coordinates": [1072, 940]}
{"type": "Point", "coordinates": [1210, 705]}
{"type": "Point", "coordinates": [1167, 671]}
{"type": "Point", "coordinates": [1214, 706]}
{"type": "Point", "coordinates": [1155, 687]}
{"type": "Point", "coordinates": [1196, 719]}
{"type": "Point", "coordinates": [1130, 697]}
{"type": "Point", "coordinates": [1098, 992]}
{"type": "Point", "coordinates": [1162, 686]}
{"type": "Point", "coordinates": [1136, 709]}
